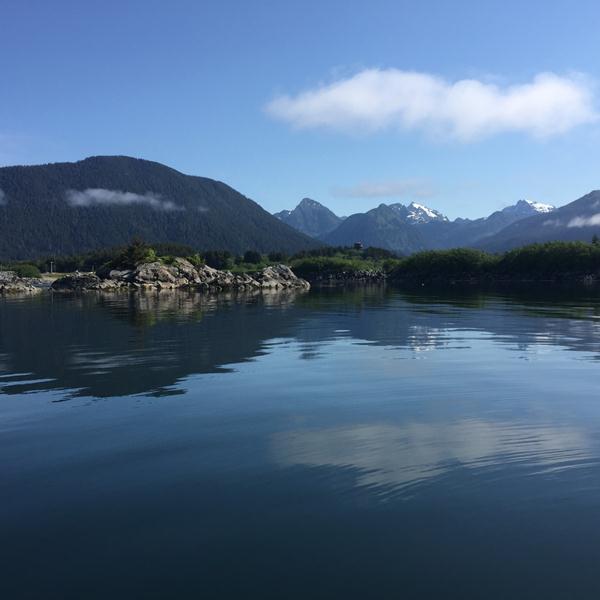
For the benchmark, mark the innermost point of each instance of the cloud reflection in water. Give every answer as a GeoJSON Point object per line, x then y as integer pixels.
{"type": "Point", "coordinates": [399, 457]}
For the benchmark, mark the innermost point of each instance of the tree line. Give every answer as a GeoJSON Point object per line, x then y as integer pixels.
{"type": "Point", "coordinates": [536, 262]}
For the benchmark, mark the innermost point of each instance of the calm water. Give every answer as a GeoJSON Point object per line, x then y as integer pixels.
{"type": "Point", "coordinates": [372, 444]}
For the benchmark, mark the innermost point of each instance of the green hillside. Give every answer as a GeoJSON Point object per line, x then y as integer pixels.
{"type": "Point", "coordinates": [104, 201]}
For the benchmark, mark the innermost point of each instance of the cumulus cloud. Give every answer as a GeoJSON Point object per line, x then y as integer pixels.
{"type": "Point", "coordinates": [468, 109]}
{"type": "Point", "coordinates": [585, 221]}
{"type": "Point", "coordinates": [2, 198]}
{"type": "Point", "coordinates": [102, 197]}
{"type": "Point", "coordinates": [385, 189]}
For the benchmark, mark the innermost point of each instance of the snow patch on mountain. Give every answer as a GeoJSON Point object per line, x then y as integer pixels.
{"type": "Point", "coordinates": [418, 213]}
{"type": "Point", "coordinates": [527, 208]}
{"type": "Point", "coordinates": [414, 213]}
{"type": "Point", "coordinates": [540, 207]}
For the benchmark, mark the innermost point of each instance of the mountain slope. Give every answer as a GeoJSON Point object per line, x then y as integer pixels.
{"type": "Point", "coordinates": [467, 232]}
{"type": "Point", "coordinates": [579, 220]}
{"type": "Point", "coordinates": [310, 217]}
{"type": "Point", "coordinates": [67, 208]}
{"type": "Point", "coordinates": [381, 227]}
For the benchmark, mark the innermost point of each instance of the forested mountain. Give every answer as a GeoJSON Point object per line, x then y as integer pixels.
{"type": "Point", "coordinates": [579, 220]}
{"type": "Point", "coordinates": [381, 227]}
{"type": "Point", "coordinates": [103, 201]}
{"type": "Point", "coordinates": [310, 217]}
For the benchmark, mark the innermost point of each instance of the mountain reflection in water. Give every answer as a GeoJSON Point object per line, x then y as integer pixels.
{"type": "Point", "coordinates": [117, 345]}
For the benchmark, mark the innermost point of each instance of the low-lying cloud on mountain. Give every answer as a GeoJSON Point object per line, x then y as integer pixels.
{"type": "Point", "coordinates": [585, 221]}
{"type": "Point", "coordinates": [578, 220]}
{"type": "Point", "coordinates": [386, 189]}
{"type": "Point", "coordinates": [390, 99]}
{"type": "Point", "coordinates": [102, 197]}
{"type": "Point", "coordinates": [2, 198]}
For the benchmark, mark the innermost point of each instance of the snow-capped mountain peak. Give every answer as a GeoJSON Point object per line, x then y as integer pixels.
{"type": "Point", "coordinates": [525, 208]}
{"type": "Point", "coordinates": [415, 214]}
{"type": "Point", "coordinates": [540, 207]}
{"type": "Point", "coordinates": [418, 213]}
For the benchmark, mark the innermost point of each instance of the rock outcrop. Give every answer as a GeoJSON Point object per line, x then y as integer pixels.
{"type": "Point", "coordinates": [11, 283]}
{"type": "Point", "coordinates": [181, 274]}
{"type": "Point", "coordinates": [79, 282]}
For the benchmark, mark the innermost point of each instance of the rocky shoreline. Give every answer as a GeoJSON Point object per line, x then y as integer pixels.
{"type": "Point", "coordinates": [11, 283]}
{"type": "Point", "coordinates": [180, 274]}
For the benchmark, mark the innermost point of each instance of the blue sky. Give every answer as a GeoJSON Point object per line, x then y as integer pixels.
{"type": "Point", "coordinates": [216, 89]}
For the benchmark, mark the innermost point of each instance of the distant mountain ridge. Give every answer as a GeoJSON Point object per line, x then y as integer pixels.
{"type": "Point", "coordinates": [409, 228]}
{"type": "Point", "coordinates": [103, 201]}
{"type": "Point", "coordinates": [578, 220]}
{"type": "Point", "coordinates": [471, 232]}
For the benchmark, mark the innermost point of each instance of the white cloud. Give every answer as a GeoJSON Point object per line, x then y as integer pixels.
{"type": "Point", "coordinates": [102, 197]}
{"type": "Point", "coordinates": [3, 201]}
{"type": "Point", "coordinates": [585, 221]}
{"type": "Point", "coordinates": [385, 189]}
{"type": "Point", "coordinates": [381, 99]}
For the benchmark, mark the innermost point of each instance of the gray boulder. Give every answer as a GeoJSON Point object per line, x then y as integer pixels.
{"type": "Point", "coordinates": [123, 275]}
{"type": "Point", "coordinates": [155, 272]}
{"type": "Point", "coordinates": [186, 270]}
{"type": "Point", "coordinates": [77, 282]}
{"type": "Point", "coordinates": [280, 277]}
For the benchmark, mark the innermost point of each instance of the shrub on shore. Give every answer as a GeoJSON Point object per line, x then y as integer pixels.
{"type": "Point", "coordinates": [552, 261]}
{"type": "Point", "coordinates": [458, 263]}
{"type": "Point", "coordinates": [26, 270]}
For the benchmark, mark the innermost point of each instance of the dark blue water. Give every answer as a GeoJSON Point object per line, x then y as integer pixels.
{"type": "Point", "coordinates": [370, 444]}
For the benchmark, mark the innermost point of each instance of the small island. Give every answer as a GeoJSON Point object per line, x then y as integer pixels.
{"type": "Point", "coordinates": [141, 267]}
{"type": "Point", "coordinates": [179, 274]}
